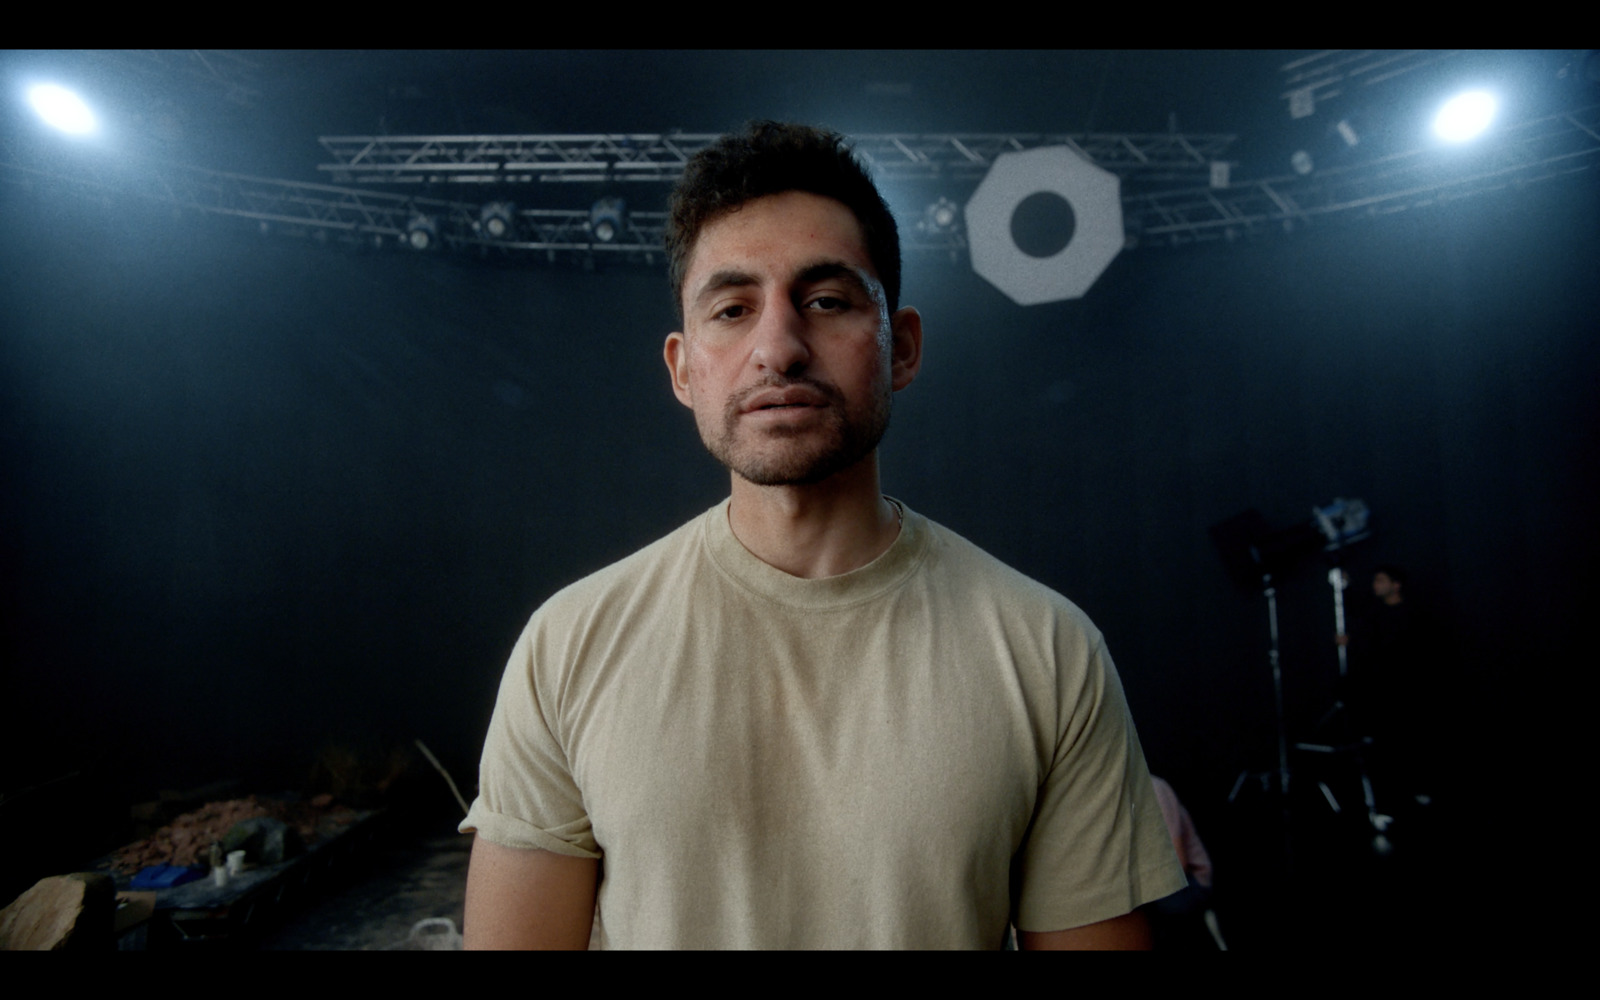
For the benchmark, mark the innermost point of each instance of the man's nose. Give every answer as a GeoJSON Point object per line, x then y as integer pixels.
{"type": "Point", "coordinates": [780, 333]}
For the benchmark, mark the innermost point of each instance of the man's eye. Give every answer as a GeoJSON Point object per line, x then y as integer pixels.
{"type": "Point", "coordinates": [829, 303]}
{"type": "Point", "coordinates": [730, 312]}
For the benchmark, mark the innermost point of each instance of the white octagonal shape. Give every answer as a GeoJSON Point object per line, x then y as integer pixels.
{"type": "Point", "coordinates": [1096, 199]}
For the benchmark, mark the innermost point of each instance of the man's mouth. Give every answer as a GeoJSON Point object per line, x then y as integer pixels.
{"type": "Point", "coordinates": [792, 397]}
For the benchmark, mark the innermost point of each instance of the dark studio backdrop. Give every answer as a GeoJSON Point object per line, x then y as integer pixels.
{"type": "Point", "coordinates": [261, 496]}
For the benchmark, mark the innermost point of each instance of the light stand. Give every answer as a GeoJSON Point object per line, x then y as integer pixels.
{"type": "Point", "coordinates": [1339, 580]}
{"type": "Point", "coordinates": [1264, 777]}
{"type": "Point", "coordinates": [1253, 554]}
{"type": "Point", "coordinates": [1344, 522]}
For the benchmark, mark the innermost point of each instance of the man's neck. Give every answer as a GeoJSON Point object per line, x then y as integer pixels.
{"type": "Point", "coordinates": [817, 530]}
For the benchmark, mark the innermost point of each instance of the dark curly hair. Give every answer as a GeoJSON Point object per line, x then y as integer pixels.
{"type": "Point", "coordinates": [769, 157]}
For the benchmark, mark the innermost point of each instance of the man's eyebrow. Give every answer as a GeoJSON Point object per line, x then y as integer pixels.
{"type": "Point", "coordinates": [719, 280]}
{"type": "Point", "coordinates": [828, 270]}
{"type": "Point", "coordinates": [823, 270]}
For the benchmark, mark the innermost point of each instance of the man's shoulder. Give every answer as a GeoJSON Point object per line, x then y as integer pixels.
{"type": "Point", "coordinates": [651, 567]}
{"type": "Point", "coordinates": [961, 563]}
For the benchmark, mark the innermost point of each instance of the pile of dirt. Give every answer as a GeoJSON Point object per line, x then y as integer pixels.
{"type": "Point", "coordinates": [187, 840]}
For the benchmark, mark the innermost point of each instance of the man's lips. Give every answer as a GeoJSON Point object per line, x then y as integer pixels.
{"type": "Point", "coordinates": [789, 397]}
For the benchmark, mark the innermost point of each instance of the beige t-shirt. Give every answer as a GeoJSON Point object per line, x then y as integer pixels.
{"type": "Point", "coordinates": [909, 755]}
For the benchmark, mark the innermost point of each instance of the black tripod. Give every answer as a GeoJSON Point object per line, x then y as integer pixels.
{"type": "Point", "coordinates": [1265, 778]}
{"type": "Point", "coordinates": [1273, 782]}
{"type": "Point", "coordinates": [1253, 554]}
{"type": "Point", "coordinates": [1344, 522]}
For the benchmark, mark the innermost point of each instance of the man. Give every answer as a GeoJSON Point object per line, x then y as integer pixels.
{"type": "Point", "coordinates": [1388, 582]}
{"type": "Point", "coordinates": [1395, 688]}
{"type": "Point", "coordinates": [1384, 655]}
{"type": "Point", "coordinates": [810, 717]}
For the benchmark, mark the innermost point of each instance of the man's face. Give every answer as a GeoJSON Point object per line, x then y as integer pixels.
{"type": "Point", "coordinates": [1382, 585]}
{"type": "Point", "coordinates": [788, 356]}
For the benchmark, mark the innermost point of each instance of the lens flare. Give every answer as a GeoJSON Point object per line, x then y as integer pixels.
{"type": "Point", "coordinates": [61, 108]}
{"type": "Point", "coordinates": [1465, 116]}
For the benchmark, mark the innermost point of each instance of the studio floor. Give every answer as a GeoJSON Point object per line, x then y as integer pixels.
{"type": "Point", "coordinates": [396, 901]}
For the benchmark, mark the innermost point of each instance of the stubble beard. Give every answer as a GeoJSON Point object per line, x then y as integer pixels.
{"type": "Point", "coordinates": [803, 455]}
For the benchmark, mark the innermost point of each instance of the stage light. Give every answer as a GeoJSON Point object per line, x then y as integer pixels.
{"type": "Point", "coordinates": [421, 232]}
{"type": "Point", "coordinates": [497, 219]}
{"type": "Point", "coordinates": [605, 219]}
{"type": "Point", "coordinates": [61, 108]}
{"type": "Point", "coordinates": [940, 218]}
{"type": "Point", "coordinates": [1343, 522]}
{"type": "Point", "coordinates": [1465, 116]}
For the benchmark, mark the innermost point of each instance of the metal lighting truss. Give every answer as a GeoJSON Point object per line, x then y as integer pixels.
{"type": "Point", "coordinates": [1321, 76]}
{"type": "Point", "coordinates": [505, 159]}
{"type": "Point", "coordinates": [233, 75]}
{"type": "Point", "coordinates": [324, 212]}
{"type": "Point", "coordinates": [1521, 154]}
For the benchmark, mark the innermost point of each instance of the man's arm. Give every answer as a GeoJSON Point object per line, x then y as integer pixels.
{"type": "Point", "coordinates": [1129, 932]}
{"type": "Point", "coordinates": [528, 898]}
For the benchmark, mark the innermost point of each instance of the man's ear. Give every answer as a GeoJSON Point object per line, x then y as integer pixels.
{"type": "Point", "coordinates": [676, 354]}
{"type": "Point", "coordinates": [906, 329]}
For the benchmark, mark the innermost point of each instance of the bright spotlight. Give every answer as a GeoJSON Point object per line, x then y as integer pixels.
{"type": "Point", "coordinates": [61, 108]}
{"type": "Point", "coordinates": [1464, 116]}
{"type": "Point", "coordinates": [422, 231]}
{"type": "Point", "coordinates": [939, 218]}
{"type": "Point", "coordinates": [497, 219]}
{"type": "Point", "coordinates": [606, 219]}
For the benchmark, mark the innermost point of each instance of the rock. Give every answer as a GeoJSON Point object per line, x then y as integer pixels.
{"type": "Point", "coordinates": [62, 913]}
